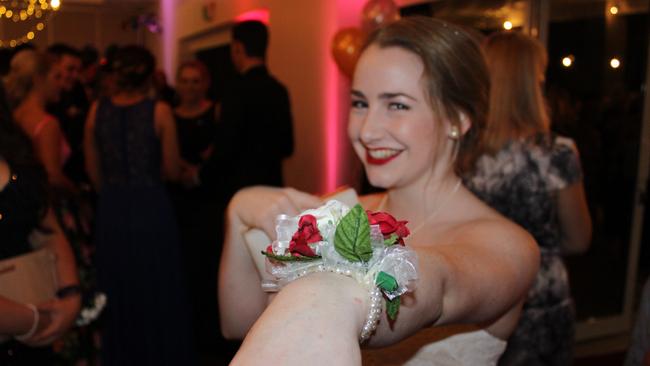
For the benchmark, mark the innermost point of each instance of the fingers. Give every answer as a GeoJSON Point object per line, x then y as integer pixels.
{"type": "Point", "coordinates": [301, 200]}
{"type": "Point", "coordinates": [259, 207]}
{"type": "Point", "coordinates": [290, 202]}
{"type": "Point", "coordinates": [56, 316]}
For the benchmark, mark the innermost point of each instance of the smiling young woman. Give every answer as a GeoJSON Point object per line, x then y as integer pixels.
{"type": "Point", "coordinates": [419, 99]}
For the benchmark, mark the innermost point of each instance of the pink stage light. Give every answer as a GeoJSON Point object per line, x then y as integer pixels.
{"type": "Point", "coordinates": [332, 153]}
{"type": "Point", "coordinates": [345, 13]}
{"type": "Point", "coordinates": [261, 15]}
{"type": "Point", "coordinates": [167, 10]}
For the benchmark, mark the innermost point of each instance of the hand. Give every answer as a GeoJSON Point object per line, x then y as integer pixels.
{"type": "Point", "coordinates": [259, 206]}
{"type": "Point", "coordinates": [205, 154]}
{"type": "Point", "coordinates": [60, 315]}
{"type": "Point", "coordinates": [44, 321]}
{"type": "Point", "coordinates": [190, 175]}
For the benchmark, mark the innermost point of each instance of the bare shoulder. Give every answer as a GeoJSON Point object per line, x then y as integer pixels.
{"type": "Point", "coordinates": [48, 127]}
{"type": "Point", "coordinates": [497, 233]}
{"type": "Point", "coordinates": [162, 109]}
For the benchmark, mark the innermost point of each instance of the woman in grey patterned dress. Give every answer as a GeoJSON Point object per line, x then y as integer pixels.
{"type": "Point", "coordinates": [534, 178]}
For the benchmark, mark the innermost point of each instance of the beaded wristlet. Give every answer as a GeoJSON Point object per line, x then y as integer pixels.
{"type": "Point", "coordinates": [363, 245]}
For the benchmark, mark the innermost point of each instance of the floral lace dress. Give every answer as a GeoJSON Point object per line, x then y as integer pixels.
{"type": "Point", "coordinates": [521, 181]}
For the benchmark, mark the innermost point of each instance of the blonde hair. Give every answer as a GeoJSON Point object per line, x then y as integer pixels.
{"type": "Point", "coordinates": [455, 75]}
{"type": "Point", "coordinates": [517, 107]}
{"type": "Point", "coordinates": [24, 66]}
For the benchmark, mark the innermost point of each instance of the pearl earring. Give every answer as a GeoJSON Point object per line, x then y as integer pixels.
{"type": "Point", "coordinates": [454, 133]}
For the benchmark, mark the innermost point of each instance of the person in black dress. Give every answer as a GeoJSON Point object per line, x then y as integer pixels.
{"type": "Point", "coordinates": [131, 147]}
{"type": "Point", "coordinates": [197, 210]}
{"type": "Point", "coordinates": [26, 223]}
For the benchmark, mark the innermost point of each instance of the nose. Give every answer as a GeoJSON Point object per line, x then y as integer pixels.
{"type": "Point", "coordinates": [370, 128]}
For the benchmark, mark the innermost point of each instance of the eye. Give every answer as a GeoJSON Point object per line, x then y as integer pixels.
{"type": "Point", "coordinates": [358, 104]}
{"type": "Point", "coordinates": [398, 107]}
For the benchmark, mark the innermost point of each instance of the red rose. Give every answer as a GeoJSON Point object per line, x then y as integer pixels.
{"type": "Point", "coordinates": [299, 247]}
{"type": "Point", "coordinates": [389, 225]}
{"type": "Point", "coordinates": [307, 233]}
{"type": "Point", "coordinates": [308, 229]}
{"type": "Point", "coordinates": [269, 249]}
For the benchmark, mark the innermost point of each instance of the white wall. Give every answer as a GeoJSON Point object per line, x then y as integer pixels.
{"type": "Point", "coordinates": [299, 56]}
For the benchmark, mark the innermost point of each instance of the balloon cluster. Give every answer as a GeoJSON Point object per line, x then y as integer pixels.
{"type": "Point", "coordinates": [347, 42]}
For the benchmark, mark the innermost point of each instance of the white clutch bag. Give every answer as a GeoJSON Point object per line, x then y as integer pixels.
{"type": "Point", "coordinates": [257, 240]}
{"type": "Point", "coordinates": [29, 278]}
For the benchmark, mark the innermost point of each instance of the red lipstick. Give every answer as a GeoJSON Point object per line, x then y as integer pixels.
{"type": "Point", "coordinates": [379, 161]}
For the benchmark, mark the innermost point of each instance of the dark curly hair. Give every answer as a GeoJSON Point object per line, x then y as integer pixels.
{"type": "Point", "coordinates": [133, 66]}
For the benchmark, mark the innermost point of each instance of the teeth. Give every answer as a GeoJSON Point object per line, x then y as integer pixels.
{"type": "Point", "coordinates": [382, 153]}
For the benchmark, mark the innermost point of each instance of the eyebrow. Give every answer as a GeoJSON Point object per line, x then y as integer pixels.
{"type": "Point", "coordinates": [359, 94]}
{"type": "Point", "coordinates": [395, 95]}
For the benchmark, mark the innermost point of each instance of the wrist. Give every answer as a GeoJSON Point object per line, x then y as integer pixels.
{"type": "Point", "coordinates": [68, 291]}
{"type": "Point", "coordinates": [335, 296]}
{"type": "Point", "coordinates": [34, 325]}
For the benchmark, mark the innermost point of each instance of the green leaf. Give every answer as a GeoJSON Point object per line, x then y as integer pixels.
{"type": "Point", "coordinates": [290, 258]}
{"type": "Point", "coordinates": [392, 307]}
{"type": "Point", "coordinates": [391, 240]}
{"type": "Point", "coordinates": [352, 237]}
{"type": "Point", "coordinates": [386, 282]}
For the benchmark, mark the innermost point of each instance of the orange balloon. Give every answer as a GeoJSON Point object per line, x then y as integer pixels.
{"type": "Point", "coordinates": [346, 49]}
{"type": "Point", "coordinates": [377, 13]}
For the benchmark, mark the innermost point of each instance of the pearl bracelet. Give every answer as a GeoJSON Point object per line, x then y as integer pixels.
{"type": "Point", "coordinates": [32, 330]}
{"type": "Point", "coordinates": [373, 315]}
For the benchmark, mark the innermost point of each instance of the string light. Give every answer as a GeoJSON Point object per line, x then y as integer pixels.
{"type": "Point", "coordinates": [613, 9]}
{"type": "Point", "coordinates": [614, 63]}
{"type": "Point", "coordinates": [507, 25]}
{"type": "Point", "coordinates": [27, 10]}
{"type": "Point", "coordinates": [567, 61]}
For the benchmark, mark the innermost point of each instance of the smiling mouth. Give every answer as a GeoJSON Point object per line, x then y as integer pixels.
{"type": "Point", "coordinates": [381, 156]}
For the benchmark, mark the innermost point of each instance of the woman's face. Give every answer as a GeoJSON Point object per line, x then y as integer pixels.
{"type": "Point", "coordinates": [392, 125]}
{"type": "Point", "coordinates": [191, 85]}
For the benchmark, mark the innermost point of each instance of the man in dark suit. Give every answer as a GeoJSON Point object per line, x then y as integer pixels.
{"type": "Point", "coordinates": [255, 131]}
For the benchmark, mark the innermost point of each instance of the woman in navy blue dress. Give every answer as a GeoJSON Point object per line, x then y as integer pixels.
{"type": "Point", "coordinates": [131, 149]}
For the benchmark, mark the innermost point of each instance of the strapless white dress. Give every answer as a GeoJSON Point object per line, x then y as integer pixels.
{"type": "Point", "coordinates": [440, 347]}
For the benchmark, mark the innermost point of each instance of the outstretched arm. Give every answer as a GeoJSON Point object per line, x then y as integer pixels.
{"type": "Point", "coordinates": [480, 275]}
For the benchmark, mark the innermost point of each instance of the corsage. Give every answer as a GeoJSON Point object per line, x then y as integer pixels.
{"type": "Point", "coordinates": [364, 245]}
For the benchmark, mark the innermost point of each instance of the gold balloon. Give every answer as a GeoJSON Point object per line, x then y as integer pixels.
{"type": "Point", "coordinates": [377, 13]}
{"type": "Point", "coordinates": [346, 49]}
